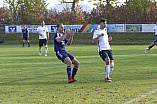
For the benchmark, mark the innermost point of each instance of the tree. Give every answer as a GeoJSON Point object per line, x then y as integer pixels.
{"type": "Point", "coordinates": [27, 11]}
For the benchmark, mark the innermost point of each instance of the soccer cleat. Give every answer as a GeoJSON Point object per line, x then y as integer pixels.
{"type": "Point", "coordinates": [146, 51]}
{"type": "Point", "coordinates": [45, 54]}
{"type": "Point", "coordinates": [74, 79]}
{"type": "Point", "coordinates": [70, 80]}
{"type": "Point", "coordinates": [108, 80]}
{"type": "Point", "coordinates": [40, 54]}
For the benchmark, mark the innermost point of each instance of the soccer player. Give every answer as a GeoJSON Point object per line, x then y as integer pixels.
{"type": "Point", "coordinates": [154, 42]}
{"type": "Point", "coordinates": [101, 37]}
{"type": "Point", "coordinates": [59, 47]}
{"type": "Point", "coordinates": [43, 33]}
{"type": "Point", "coordinates": [25, 36]}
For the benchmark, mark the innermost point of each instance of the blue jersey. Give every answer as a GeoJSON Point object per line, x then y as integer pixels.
{"type": "Point", "coordinates": [25, 32]}
{"type": "Point", "coordinates": [59, 46]}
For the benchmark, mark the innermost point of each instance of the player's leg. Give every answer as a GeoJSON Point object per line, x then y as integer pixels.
{"type": "Point", "coordinates": [105, 57]}
{"type": "Point", "coordinates": [111, 66]}
{"type": "Point", "coordinates": [75, 68]}
{"type": "Point", "coordinates": [151, 45]}
{"type": "Point", "coordinates": [23, 43]}
{"type": "Point", "coordinates": [28, 42]}
{"type": "Point", "coordinates": [107, 69]}
{"type": "Point", "coordinates": [40, 46]}
{"type": "Point", "coordinates": [46, 47]}
{"type": "Point", "coordinates": [111, 61]}
{"type": "Point", "coordinates": [68, 62]}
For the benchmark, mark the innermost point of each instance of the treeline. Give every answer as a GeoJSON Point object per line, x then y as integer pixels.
{"type": "Point", "coordinates": [25, 12]}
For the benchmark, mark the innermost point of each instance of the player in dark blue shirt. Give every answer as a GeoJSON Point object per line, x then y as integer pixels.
{"type": "Point", "coordinates": [25, 36]}
{"type": "Point", "coordinates": [59, 47]}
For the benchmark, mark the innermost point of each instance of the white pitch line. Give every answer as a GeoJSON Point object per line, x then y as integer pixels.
{"type": "Point", "coordinates": [138, 98]}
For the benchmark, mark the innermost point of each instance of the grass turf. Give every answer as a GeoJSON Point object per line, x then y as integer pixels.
{"type": "Point", "coordinates": [26, 77]}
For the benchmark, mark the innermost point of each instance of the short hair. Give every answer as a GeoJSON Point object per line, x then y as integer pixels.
{"type": "Point", "coordinates": [103, 20]}
{"type": "Point", "coordinates": [59, 24]}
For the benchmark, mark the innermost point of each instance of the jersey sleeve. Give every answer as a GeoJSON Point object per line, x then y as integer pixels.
{"type": "Point", "coordinates": [47, 29]}
{"type": "Point", "coordinates": [66, 40]}
{"type": "Point", "coordinates": [56, 35]}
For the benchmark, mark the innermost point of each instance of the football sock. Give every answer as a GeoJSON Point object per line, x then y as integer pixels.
{"type": "Point", "coordinates": [69, 71]}
{"type": "Point", "coordinates": [23, 44]}
{"type": "Point", "coordinates": [107, 69]}
{"type": "Point", "coordinates": [74, 71]}
{"type": "Point", "coordinates": [28, 44]}
{"type": "Point", "coordinates": [151, 46]}
{"type": "Point", "coordinates": [40, 49]}
{"type": "Point", "coordinates": [46, 48]}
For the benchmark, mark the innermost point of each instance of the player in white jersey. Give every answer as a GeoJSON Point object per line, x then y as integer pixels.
{"type": "Point", "coordinates": [101, 37]}
{"type": "Point", "coordinates": [154, 42]}
{"type": "Point", "coordinates": [43, 33]}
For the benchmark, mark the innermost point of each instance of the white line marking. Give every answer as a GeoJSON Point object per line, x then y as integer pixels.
{"type": "Point", "coordinates": [138, 98]}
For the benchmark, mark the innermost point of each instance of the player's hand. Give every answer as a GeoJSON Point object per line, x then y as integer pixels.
{"type": "Point", "coordinates": [72, 33]}
{"type": "Point", "coordinates": [102, 34]}
{"type": "Point", "coordinates": [67, 31]}
{"type": "Point", "coordinates": [110, 38]}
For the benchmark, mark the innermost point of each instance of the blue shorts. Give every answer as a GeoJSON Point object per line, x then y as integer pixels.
{"type": "Point", "coordinates": [25, 37]}
{"type": "Point", "coordinates": [61, 55]}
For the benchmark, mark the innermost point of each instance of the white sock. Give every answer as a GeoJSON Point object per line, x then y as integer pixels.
{"type": "Point", "coordinates": [111, 69]}
{"type": "Point", "coordinates": [107, 69]}
{"type": "Point", "coordinates": [40, 49]}
{"type": "Point", "coordinates": [46, 48]}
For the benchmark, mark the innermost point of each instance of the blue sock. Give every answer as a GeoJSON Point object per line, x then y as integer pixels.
{"type": "Point", "coordinates": [69, 71]}
{"type": "Point", "coordinates": [23, 44]}
{"type": "Point", "coordinates": [28, 44]}
{"type": "Point", "coordinates": [74, 71]}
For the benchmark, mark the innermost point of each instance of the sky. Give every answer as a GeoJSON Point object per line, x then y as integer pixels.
{"type": "Point", "coordinates": [53, 3]}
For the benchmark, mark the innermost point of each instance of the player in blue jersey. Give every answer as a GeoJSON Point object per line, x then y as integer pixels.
{"type": "Point", "coordinates": [59, 47]}
{"type": "Point", "coordinates": [25, 36]}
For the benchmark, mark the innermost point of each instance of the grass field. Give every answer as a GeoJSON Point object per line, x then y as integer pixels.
{"type": "Point", "coordinates": [26, 77]}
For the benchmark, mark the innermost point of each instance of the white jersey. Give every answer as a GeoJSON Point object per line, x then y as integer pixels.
{"type": "Point", "coordinates": [155, 28]}
{"type": "Point", "coordinates": [42, 30]}
{"type": "Point", "coordinates": [103, 43]}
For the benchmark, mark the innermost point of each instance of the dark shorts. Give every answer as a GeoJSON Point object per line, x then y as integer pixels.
{"type": "Point", "coordinates": [42, 41]}
{"type": "Point", "coordinates": [25, 37]}
{"type": "Point", "coordinates": [61, 55]}
{"type": "Point", "coordinates": [106, 53]}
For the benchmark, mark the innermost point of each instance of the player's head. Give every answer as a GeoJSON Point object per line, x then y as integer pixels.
{"type": "Point", "coordinates": [103, 23]}
{"type": "Point", "coordinates": [43, 23]}
{"type": "Point", "coordinates": [60, 27]}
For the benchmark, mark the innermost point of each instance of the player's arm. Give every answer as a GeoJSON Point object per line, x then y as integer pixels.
{"type": "Point", "coordinates": [110, 38]}
{"type": "Point", "coordinates": [71, 38]}
{"type": "Point", "coordinates": [28, 34]}
{"type": "Point", "coordinates": [47, 35]}
{"type": "Point", "coordinates": [59, 39]}
{"type": "Point", "coordinates": [97, 38]}
{"type": "Point", "coordinates": [38, 33]}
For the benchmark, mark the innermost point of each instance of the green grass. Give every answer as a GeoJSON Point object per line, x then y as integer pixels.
{"type": "Point", "coordinates": [26, 77]}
